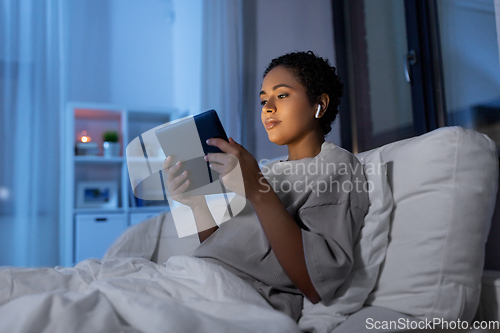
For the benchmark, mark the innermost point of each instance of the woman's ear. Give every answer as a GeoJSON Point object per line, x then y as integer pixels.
{"type": "Point", "coordinates": [323, 101]}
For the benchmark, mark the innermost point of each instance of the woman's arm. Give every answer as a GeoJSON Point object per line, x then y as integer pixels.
{"type": "Point", "coordinates": [285, 237]}
{"type": "Point", "coordinates": [282, 232]}
{"type": "Point", "coordinates": [205, 223]}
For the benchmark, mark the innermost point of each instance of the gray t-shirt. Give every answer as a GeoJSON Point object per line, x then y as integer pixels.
{"type": "Point", "coordinates": [327, 197]}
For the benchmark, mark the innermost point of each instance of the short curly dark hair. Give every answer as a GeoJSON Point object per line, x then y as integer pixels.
{"type": "Point", "coordinates": [318, 77]}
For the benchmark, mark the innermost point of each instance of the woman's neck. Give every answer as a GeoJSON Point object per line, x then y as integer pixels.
{"type": "Point", "coordinates": [307, 147]}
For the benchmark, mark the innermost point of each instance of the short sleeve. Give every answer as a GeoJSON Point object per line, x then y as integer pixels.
{"type": "Point", "coordinates": [329, 243]}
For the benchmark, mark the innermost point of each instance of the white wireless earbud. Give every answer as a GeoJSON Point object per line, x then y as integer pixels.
{"type": "Point", "coordinates": [319, 109]}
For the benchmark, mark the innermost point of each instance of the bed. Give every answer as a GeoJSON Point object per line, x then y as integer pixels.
{"type": "Point", "coordinates": [420, 256]}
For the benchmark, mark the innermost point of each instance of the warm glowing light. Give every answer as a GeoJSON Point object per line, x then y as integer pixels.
{"type": "Point", "coordinates": [85, 137]}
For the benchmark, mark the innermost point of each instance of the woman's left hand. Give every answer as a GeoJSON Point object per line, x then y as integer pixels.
{"type": "Point", "coordinates": [238, 168]}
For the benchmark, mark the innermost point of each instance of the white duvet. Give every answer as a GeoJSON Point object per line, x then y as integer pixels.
{"type": "Point", "coordinates": [133, 294]}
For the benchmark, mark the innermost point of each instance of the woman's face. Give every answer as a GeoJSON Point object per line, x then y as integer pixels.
{"type": "Point", "coordinates": [287, 115]}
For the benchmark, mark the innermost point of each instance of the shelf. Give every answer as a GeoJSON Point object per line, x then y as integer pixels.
{"type": "Point", "coordinates": [97, 114]}
{"type": "Point", "coordinates": [99, 159]}
{"type": "Point", "coordinates": [98, 211]}
{"type": "Point", "coordinates": [118, 159]}
{"type": "Point", "coordinates": [136, 159]}
{"type": "Point", "coordinates": [78, 237]}
{"type": "Point", "coordinates": [149, 209]}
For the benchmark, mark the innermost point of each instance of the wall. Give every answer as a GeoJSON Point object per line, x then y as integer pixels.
{"type": "Point", "coordinates": [283, 26]}
{"type": "Point", "coordinates": [187, 54]}
{"type": "Point", "coordinates": [89, 51]}
{"type": "Point", "coordinates": [141, 52]}
{"type": "Point", "coordinates": [125, 52]}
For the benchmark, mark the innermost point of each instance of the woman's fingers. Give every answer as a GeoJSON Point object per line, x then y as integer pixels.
{"type": "Point", "coordinates": [181, 189]}
{"type": "Point", "coordinates": [219, 168]}
{"type": "Point", "coordinates": [177, 185]}
{"type": "Point", "coordinates": [223, 145]}
{"type": "Point", "coordinates": [176, 182]}
{"type": "Point", "coordinates": [234, 143]}
{"type": "Point", "coordinates": [222, 163]}
{"type": "Point", "coordinates": [171, 171]}
{"type": "Point", "coordinates": [220, 158]}
{"type": "Point", "coordinates": [166, 162]}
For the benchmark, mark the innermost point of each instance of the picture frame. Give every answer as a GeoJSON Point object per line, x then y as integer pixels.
{"type": "Point", "coordinates": [97, 194]}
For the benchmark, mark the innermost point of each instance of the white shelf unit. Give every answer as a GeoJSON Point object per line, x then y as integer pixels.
{"type": "Point", "coordinates": [87, 232]}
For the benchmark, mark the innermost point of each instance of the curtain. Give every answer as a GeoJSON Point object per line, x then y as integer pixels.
{"type": "Point", "coordinates": [222, 63]}
{"type": "Point", "coordinates": [29, 132]}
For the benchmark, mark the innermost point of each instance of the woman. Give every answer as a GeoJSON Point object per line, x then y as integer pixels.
{"type": "Point", "coordinates": [295, 236]}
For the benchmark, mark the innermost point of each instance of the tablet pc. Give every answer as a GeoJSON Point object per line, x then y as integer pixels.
{"type": "Point", "coordinates": [185, 140]}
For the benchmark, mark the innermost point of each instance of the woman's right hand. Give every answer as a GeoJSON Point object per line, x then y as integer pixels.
{"type": "Point", "coordinates": [177, 185]}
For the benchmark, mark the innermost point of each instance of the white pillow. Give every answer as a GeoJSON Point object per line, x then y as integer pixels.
{"type": "Point", "coordinates": [369, 253]}
{"type": "Point", "coordinates": [444, 185]}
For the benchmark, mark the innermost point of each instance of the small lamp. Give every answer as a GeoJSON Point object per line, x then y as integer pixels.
{"type": "Point", "coordinates": [85, 137]}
